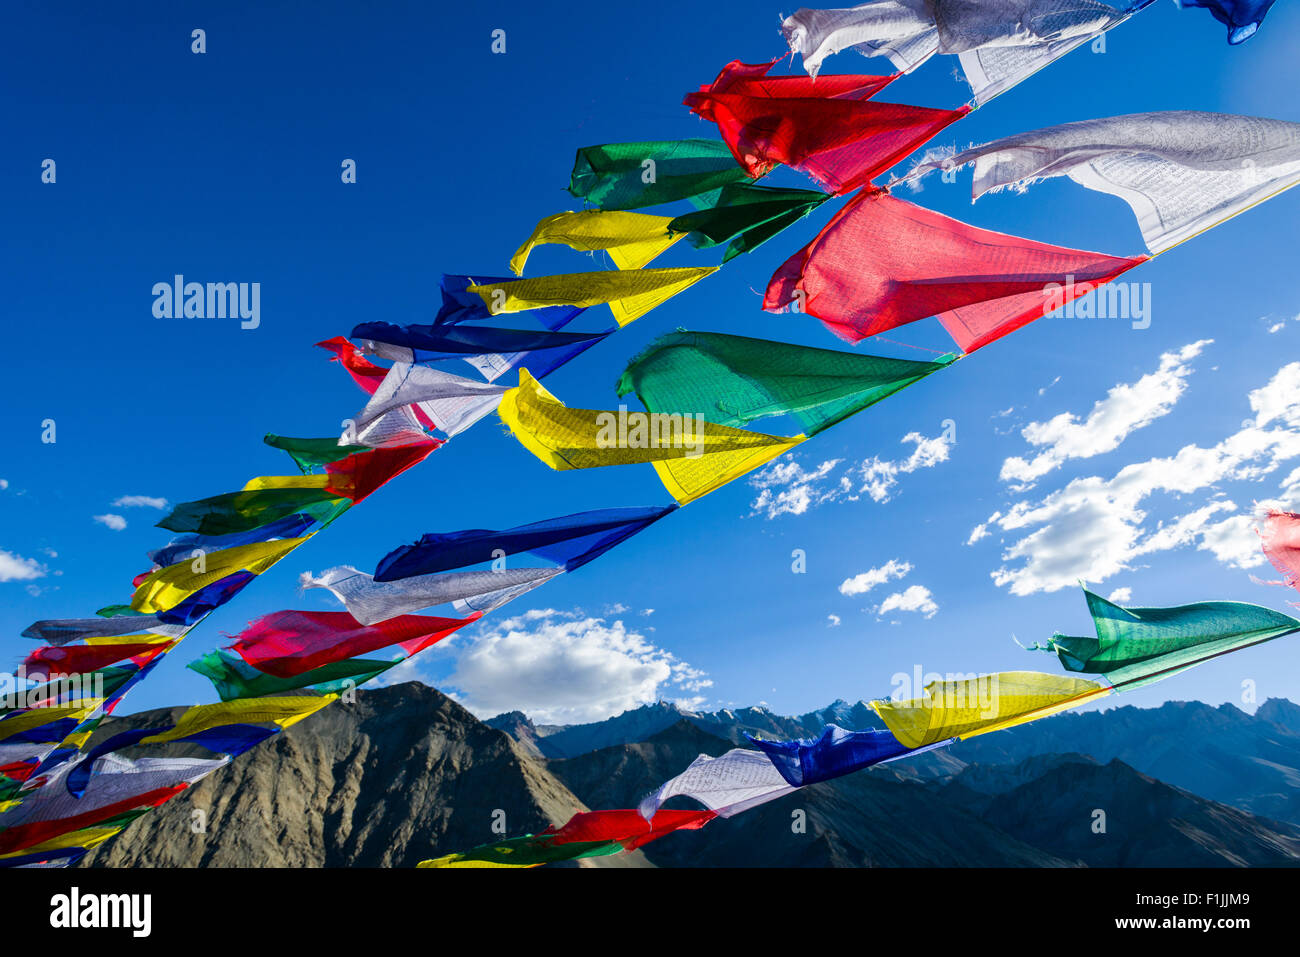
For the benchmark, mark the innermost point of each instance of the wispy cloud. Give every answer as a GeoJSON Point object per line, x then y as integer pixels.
{"type": "Point", "coordinates": [863, 582]}
{"type": "Point", "coordinates": [914, 598]}
{"type": "Point", "coordinates": [110, 520]}
{"type": "Point", "coordinates": [139, 501]}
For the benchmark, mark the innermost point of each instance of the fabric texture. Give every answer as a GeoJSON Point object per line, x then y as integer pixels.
{"type": "Point", "coordinates": [629, 294]}
{"type": "Point", "coordinates": [1181, 172]}
{"type": "Point", "coordinates": [882, 262]}
{"type": "Point", "coordinates": [619, 176]}
{"type": "Point", "coordinates": [746, 216]}
{"type": "Point", "coordinates": [734, 380]}
{"type": "Point", "coordinates": [631, 239]}
{"type": "Point", "coordinates": [692, 457]}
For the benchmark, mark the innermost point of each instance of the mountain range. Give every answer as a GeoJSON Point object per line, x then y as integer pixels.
{"type": "Point", "coordinates": [404, 773]}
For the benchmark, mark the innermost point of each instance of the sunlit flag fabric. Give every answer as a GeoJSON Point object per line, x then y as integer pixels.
{"type": "Point", "coordinates": [1280, 538]}
{"type": "Point", "coordinates": [461, 305]}
{"type": "Point", "coordinates": [285, 644]}
{"type": "Point", "coordinates": [835, 752]}
{"type": "Point", "coordinates": [838, 138]}
{"type": "Point", "coordinates": [629, 293]}
{"type": "Point", "coordinates": [1139, 645]}
{"type": "Point", "coordinates": [1242, 17]}
{"type": "Point", "coordinates": [727, 785]}
{"type": "Point", "coordinates": [436, 393]}
{"type": "Point", "coordinates": [571, 541]}
{"type": "Point", "coordinates": [362, 474]}
{"type": "Point", "coordinates": [882, 262]}
{"type": "Point", "coordinates": [98, 653]}
{"type": "Point", "coordinates": [309, 453]}
{"type": "Point", "coordinates": [372, 602]}
{"type": "Point", "coordinates": [234, 678]}
{"type": "Point", "coordinates": [746, 216]}
{"type": "Point", "coordinates": [61, 631]}
{"type": "Point", "coordinates": [691, 456]}
{"type": "Point", "coordinates": [364, 373]}
{"type": "Point", "coordinates": [188, 547]}
{"type": "Point", "coordinates": [630, 239]}
{"type": "Point", "coordinates": [168, 587]}
{"type": "Point", "coordinates": [999, 42]}
{"type": "Point", "coordinates": [232, 513]}
{"type": "Point", "coordinates": [491, 351]}
{"type": "Point", "coordinates": [971, 706]}
{"type": "Point", "coordinates": [230, 727]}
{"type": "Point", "coordinates": [116, 786]}
{"type": "Point", "coordinates": [1181, 172]}
{"type": "Point", "coordinates": [635, 175]}
{"type": "Point", "coordinates": [733, 380]}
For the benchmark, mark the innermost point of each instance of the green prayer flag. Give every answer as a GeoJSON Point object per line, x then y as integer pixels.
{"type": "Point", "coordinates": [234, 678]}
{"type": "Point", "coordinates": [1135, 646]}
{"type": "Point", "coordinates": [633, 175]}
{"type": "Point", "coordinates": [308, 453]}
{"type": "Point", "coordinates": [528, 851]}
{"type": "Point", "coordinates": [746, 216]}
{"type": "Point", "coordinates": [243, 511]}
{"type": "Point", "coordinates": [733, 380]}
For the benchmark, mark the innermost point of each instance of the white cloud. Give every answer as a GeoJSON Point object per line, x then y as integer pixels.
{"type": "Point", "coordinates": [562, 669]}
{"type": "Point", "coordinates": [1121, 595]}
{"type": "Point", "coordinates": [1044, 389]}
{"type": "Point", "coordinates": [15, 568]}
{"type": "Point", "coordinates": [787, 488]}
{"type": "Point", "coordinates": [1126, 408]}
{"type": "Point", "coordinates": [1276, 327]}
{"type": "Point", "coordinates": [115, 522]}
{"type": "Point", "coordinates": [862, 583]}
{"type": "Point", "coordinates": [4, 484]}
{"type": "Point", "coordinates": [915, 598]}
{"type": "Point", "coordinates": [833, 621]}
{"type": "Point", "coordinates": [139, 501]}
{"type": "Point", "coordinates": [1094, 527]}
{"type": "Point", "coordinates": [647, 612]}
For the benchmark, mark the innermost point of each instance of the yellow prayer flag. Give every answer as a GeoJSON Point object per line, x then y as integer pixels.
{"type": "Point", "coordinates": [143, 639]}
{"type": "Point", "coordinates": [630, 293]}
{"type": "Point", "coordinates": [692, 456]}
{"type": "Point", "coordinates": [286, 481]}
{"type": "Point", "coordinates": [39, 717]}
{"type": "Point", "coordinates": [168, 587]}
{"type": "Point", "coordinates": [86, 837]}
{"type": "Point", "coordinates": [460, 860]}
{"type": "Point", "coordinates": [972, 706]}
{"type": "Point", "coordinates": [631, 239]}
{"type": "Point", "coordinates": [284, 712]}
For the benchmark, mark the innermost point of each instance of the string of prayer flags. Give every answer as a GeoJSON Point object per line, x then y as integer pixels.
{"type": "Point", "coordinates": [98, 653]}
{"type": "Point", "coordinates": [733, 380]}
{"type": "Point", "coordinates": [285, 644]}
{"type": "Point", "coordinates": [839, 139]}
{"type": "Point", "coordinates": [692, 456]}
{"type": "Point", "coordinates": [620, 176]}
{"type": "Point", "coordinates": [1241, 17]}
{"type": "Point", "coordinates": [971, 706]}
{"type": "Point", "coordinates": [571, 541]}
{"type": "Point", "coordinates": [372, 602]}
{"type": "Point", "coordinates": [1182, 172]}
{"type": "Point", "coordinates": [1135, 646]}
{"type": "Point", "coordinates": [629, 293]}
{"type": "Point", "coordinates": [61, 631]}
{"type": "Point", "coordinates": [746, 216]}
{"type": "Point", "coordinates": [188, 547]}
{"type": "Point", "coordinates": [882, 262]}
{"type": "Point", "coordinates": [168, 587]}
{"type": "Point", "coordinates": [631, 239]}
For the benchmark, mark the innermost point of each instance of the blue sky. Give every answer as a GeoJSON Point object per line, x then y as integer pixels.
{"type": "Point", "coordinates": [225, 167]}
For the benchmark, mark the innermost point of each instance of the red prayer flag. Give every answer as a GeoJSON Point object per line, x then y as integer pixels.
{"type": "Point", "coordinates": [629, 828]}
{"type": "Point", "coordinates": [364, 372]}
{"type": "Point", "coordinates": [882, 262]}
{"type": "Point", "coordinates": [824, 126]}
{"type": "Point", "coordinates": [288, 643]}
{"type": "Point", "coordinates": [362, 473]}
{"type": "Point", "coordinates": [81, 659]}
{"type": "Point", "coordinates": [22, 836]}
